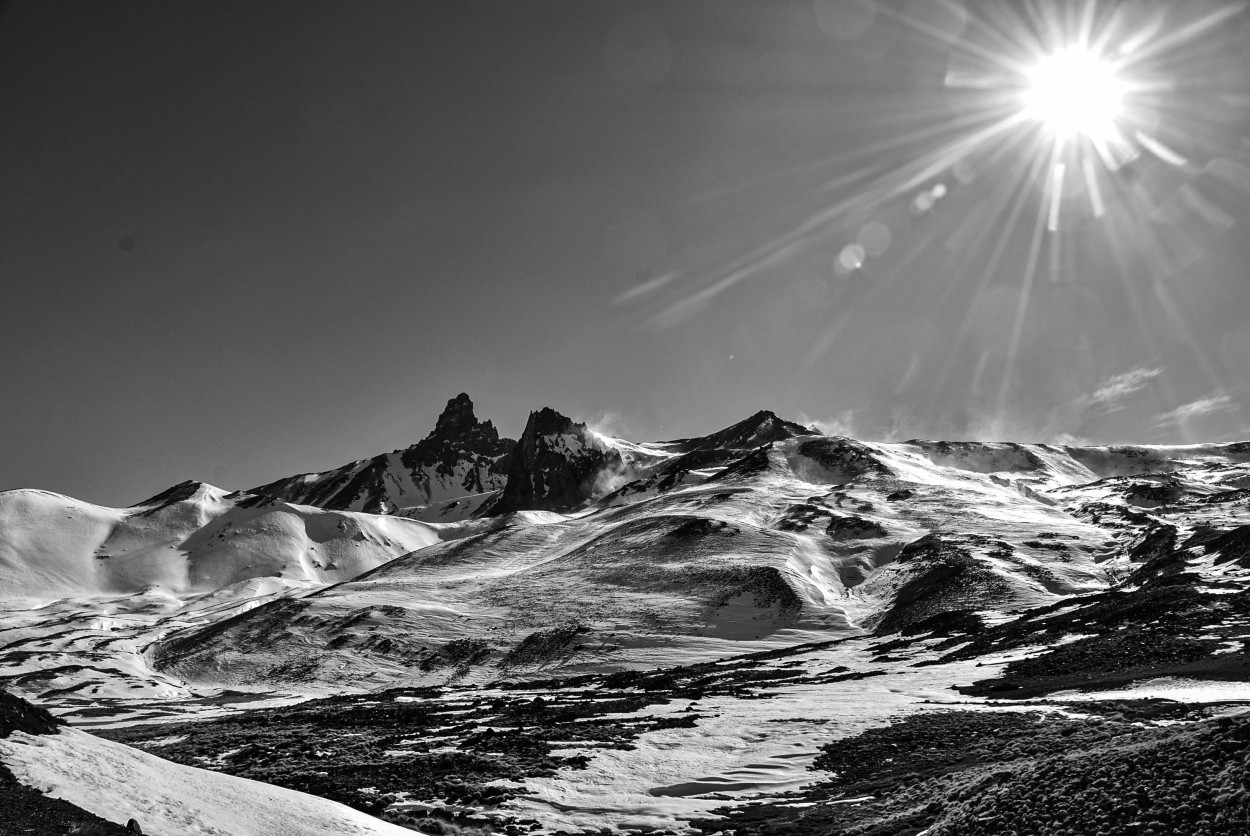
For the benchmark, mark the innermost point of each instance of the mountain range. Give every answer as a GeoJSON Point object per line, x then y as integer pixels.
{"type": "Point", "coordinates": [759, 578]}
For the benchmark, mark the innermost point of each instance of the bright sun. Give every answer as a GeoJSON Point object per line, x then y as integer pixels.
{"type": "Point", "coordinates": [1075, 93]}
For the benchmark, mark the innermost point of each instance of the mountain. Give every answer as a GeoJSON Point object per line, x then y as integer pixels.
{"type": "Point", "coordinates": [688, 461]}
{"type": "Point", "coordinates": [555, 466]}
{"type": "Point", "coordinates": [764, 427]}
{"type": "Point", "coordinates": [697, 635]}
{"type": "Point", "coordinates": [460, 457]}
{"type": "Point", "coordinates": [802, 537]}
{"type": "Point", "coordinates": [192, 538]}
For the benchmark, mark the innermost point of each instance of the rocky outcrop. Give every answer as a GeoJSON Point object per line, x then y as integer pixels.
{"type": "Point", "coordinates": [18, 715]}
{"type": "Point", "coordinates": [937, 577]}
{"type": "Point", "coordinates": [764, 427]}
{"type": "Point", "coordinates": [556, 465]}
{"type": "Point", "coordinates": [461, 456]}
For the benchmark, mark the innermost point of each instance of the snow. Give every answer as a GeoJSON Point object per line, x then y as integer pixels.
{"type": "Point", "coordinates": [1180, 689]}
{"type": "Point", "coordinates": [52, 546]}
{"type": "Point", "coordinates": [741, 750]}
{"type": "Point", "coordinates": [615, 571]}
{"type": "Point", "coordinates": [118, 783]}
{"type": "Point", "coordinates": [628, 573]}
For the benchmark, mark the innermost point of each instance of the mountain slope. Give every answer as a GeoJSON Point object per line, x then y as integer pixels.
{"type": "Point", "coordinates": [118, 783]}
{"type": "Point", "coordinates": [193, 538]}
{"type": "Point", "coordinates": [798, 539]}
{"type": "Point", "coordinates": [461, 456]}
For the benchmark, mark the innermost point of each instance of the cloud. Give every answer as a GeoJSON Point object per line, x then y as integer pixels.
{"type": "Point", "coordinates": [1218, 401]}
{"type": "Point", "coordinates": [645, 287]}
{"type": "Point", "coordinates": [842, 424]}
{"type": "Point", "coordinates": [614, 425]}
{"type": "Point", "coordinates": [1118, 387]}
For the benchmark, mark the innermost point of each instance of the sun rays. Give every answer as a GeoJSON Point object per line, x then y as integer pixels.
{"type": "Point", "coordinates": [1062, 127]}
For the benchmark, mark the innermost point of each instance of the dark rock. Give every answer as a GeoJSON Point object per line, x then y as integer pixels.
{"type": "Point", "coordinates": [16, 714]}
{"type": "Point", "coordinates": [853, 527]}
{"type": "Point", "coordinates": [844, 458]}
{"type": "Point", "coordinates": [1156, 549]}
{"type": "Point", "coordinates": [555, 465]}
{"type": "Point", "coordinates": [1151, 494]}
{"type": "Point", "coordinates": [764, 427]}
{"type": "Point", "coordinates": [458, 438]}
{"type": "Point", "coordinates": [941, 578]}
{"type": "Point", "coordinates": [1231, 546]}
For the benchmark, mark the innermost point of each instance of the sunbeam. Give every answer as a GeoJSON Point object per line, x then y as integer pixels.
{"type": "Point", "coordinates": [1064, 128]}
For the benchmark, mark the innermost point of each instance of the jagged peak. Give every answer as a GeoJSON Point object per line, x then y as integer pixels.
{"type": "Point", "coordinates": [547, 421]}
{"type": "Point", "coordinates": [554, 466]}
{"type": "Point", "coordinates": [456, 417]}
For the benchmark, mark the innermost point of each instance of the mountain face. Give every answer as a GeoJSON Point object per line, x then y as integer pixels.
{"type": "Point", "coordinates": [460, 457]}
{"type": "Point", "coordinates": [764, 427]}
{"type": "Point", "coordinates": [556, 466]}
{"type": "Point", "coordinates": [688, 461]}
{"type": "Point", "coordinates": [193, 538]}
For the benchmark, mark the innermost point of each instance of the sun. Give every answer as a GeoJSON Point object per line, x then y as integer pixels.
{"type": "Point", "coordinates": [1073, 93]}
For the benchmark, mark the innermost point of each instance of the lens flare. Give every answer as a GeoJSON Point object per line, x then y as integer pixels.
{"type": "Point", "coordinates": [1104, 142]}
{"type": "Point", "coordinates": [1074, 92]}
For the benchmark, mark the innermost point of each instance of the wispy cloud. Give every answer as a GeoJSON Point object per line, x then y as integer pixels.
{"type": "Point", "coordinates": [842, 424]}
{"type": "Point", "coordinates": [1118, 387]}
{"type": "Point", "coordinates": [1218, 401]}
{"type": "Point", "coordinates": [614, 425]}
{"type": "Point", "coordinates": [645, 288]}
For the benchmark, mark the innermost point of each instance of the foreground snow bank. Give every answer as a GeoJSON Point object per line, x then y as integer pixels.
{"type": "Point", "coordinates": [117, 783]}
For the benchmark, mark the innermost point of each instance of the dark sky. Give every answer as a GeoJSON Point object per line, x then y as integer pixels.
{"type": "Point", "coordinates": [243, 240]}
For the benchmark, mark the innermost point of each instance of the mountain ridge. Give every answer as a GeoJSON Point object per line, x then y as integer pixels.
{"type": "Point", "coordinates": [459, 457]}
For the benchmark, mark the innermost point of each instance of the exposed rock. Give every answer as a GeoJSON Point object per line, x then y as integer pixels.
{"type": "Point", "coordinates": [842, 459]}
{"type": "Point", "coordinates": [554, 466]}
{"type": "Point", "coordinates": [852, 527]}
{"type": "Point", "coordinates": [938, 577]}
{"type": "Point", "coordinates": [764, 427]}
{"type": "Point", "coordinates": [461, 456]}
{"type": "Point", "coordinates": [16, 714]}
{"type": "Point", "coordinates": [1231, 546]}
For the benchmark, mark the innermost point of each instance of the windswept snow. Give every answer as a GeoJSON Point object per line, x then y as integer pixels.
{"type": "Point", "coordinates": [199, 539]}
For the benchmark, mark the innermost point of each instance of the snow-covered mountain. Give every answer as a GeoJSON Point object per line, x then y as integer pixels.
{"type": "Point", "coordinates": [690, 460]}
{"type": "Point", "coordinates": [192, 538]}
{"type": "Point", "coordinates": [715, 547]}
{"type": "Point", "coordinates": [460, 457]}
{"type": "Point", "coordinates": [627, 605]}
{"type": "Point", "coordinates": [598, 553]}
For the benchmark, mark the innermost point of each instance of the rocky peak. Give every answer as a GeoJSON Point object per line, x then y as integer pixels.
{"type": "Point", "coordinates": [555, 465]}
{"type": "Point", "coordinates": [764, 427]}
{"type": "Point", "coordinates": [458, 435]}
{"type": "Point", "coordinates": [460, 456]}
{"type": "Point", "coordinates": [457, 417]}
{"type": "Point", "coordinates": [547, 421]}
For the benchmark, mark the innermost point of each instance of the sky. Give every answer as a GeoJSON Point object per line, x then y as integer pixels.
{"type": "Point", "coordinates": [244, 240]}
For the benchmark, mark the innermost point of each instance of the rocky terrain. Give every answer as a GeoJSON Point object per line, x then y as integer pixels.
{"type": "Point", "coordinates": [461, 456]}
{"type": "Point", "coordinates": [761, 630]}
